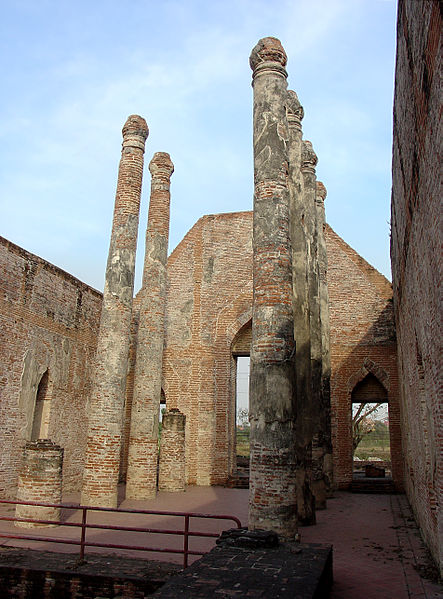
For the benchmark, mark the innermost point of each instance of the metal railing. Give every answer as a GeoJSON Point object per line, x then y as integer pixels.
{"type": "Point", "coordinates": [186, 531]}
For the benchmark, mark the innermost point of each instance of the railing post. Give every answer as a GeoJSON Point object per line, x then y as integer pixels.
{"type": "Point", "coordinates": [83, 536]}
{"type": "Point", "coordinates": [186, 542]}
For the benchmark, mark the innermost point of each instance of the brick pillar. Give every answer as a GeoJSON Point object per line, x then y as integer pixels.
{"type": "Point", "coordinates": [102, 460]}
{"type": "Point", "coordinates": [171, 475]}
{"type": "Point", "coordinates": [272, 498]}
{"type": "Point", "coordinates": [40, 479]}
{"type": "Point", "coordinates": [325, 440]}
{"type": "Point", "coordinates": [308, 164]}
{"type": "Point", "coordinates": [302, 327]}
{"type": "Point", "coordinates": [141, 480]}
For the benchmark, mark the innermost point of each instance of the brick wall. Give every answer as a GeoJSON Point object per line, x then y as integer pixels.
{"type": "Point", "coordinates": [209, 300]}
{"type": "Point", "coordinates": [48, 322]}
{"type": "Point", "coordinates": [416, 259]}
{"type": "Point", "coordinates": [362, 342]}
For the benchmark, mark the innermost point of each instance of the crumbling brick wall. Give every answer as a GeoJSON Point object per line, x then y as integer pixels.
{"type": "Point", "coordinates": [48, 322]}
{"type": "Point", "coordinates": [209, 300]}
{"type": "Point", "coordinates": [362, 342]}
{"type": "Point", "coordinates": [416, 258]}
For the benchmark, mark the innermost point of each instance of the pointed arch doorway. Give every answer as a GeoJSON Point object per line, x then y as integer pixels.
{"type": "Point", "coordinates": [370, 430]}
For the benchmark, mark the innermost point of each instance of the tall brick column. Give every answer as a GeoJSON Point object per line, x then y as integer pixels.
{"type": "Point", "coordinates": [102, 458]}
{"type": "Point", "coordinates": [272, 499]}
{"type": "Point", "coordinates": [302, 328]}
{"type": "Point", "coordinates": [171, 476]}
{"type": "Point", "coordinates": [40, 480]}
{"type": "Point", "coordinates": [308, 164]}
{"type": "Point", "coordinates": [141, 481]}
{"type": "Point", "coordinates": [324, 432]}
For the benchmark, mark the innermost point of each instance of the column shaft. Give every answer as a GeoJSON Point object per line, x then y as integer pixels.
{"type": "Point", "coordinates": [309, 161]}
{"type": "Point", "coordinates": [141, 482]}
{"type": "Point", "coordinates": [324, 433]}
{"type": "Point", "coordinates": [272, 504]}
{"type": "Point", "coordinates": [302, 326]}
{"type": "Point", "coordinates": [102, 460]}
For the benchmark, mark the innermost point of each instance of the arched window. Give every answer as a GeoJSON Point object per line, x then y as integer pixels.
{"type": "Point", "coordinates": [40, 423]}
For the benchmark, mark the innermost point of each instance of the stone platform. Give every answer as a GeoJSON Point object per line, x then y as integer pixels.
{"type": "Point", "coordinates": [287, 570]}
{"type": "Point", "coordinates": [29, 574]}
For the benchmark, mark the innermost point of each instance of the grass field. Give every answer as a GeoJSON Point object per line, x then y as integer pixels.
{"type": "Point", "coordinates": [243, 442]}
{"type": "Point", "coordinates": [375, 445]}
{"type": "Point", "coordinates": [372, 446]}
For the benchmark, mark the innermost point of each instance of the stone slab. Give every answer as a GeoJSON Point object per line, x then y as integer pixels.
{"type": "Point", "coordinates": [290, 570]}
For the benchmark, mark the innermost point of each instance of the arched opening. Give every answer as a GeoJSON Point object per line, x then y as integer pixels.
{"type": "Point", "coordinates": [242, 407]}
{"type": "Point", "coordinates": [40, 422]}
{"type": "Point", "coordinates": [370, 429]}
{"type": "Point", "coordinates": [161, 413]}
{"type": "Point", "coordinates": [240, 350]}
{"type": "Point", "coordinates": [162, 406]}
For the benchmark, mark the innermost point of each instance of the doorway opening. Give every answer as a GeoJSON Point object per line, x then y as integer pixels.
{"type": "Point", "coordinates": [371, 445]}
{"type": "Point", "coordinates": [239, 407]}
{"type": "Point", "coordinates": [242, 408]}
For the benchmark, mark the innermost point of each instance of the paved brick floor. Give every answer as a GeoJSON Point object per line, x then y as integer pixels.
{"type": "Point", "coordinates": [378, 552]}
{"type": "Point", "coordinates": [377, 548]}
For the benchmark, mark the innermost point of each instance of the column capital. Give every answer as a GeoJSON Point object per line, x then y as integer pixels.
{"type": "Point", "coordinates": [321, 191]}
{"type": "Point", "coordinates": [294, 109]}
{"type": "Point", "coordinates": [308, 157]}
{"type": "Point", "coordinates": [135, 132]}
{"type": "Point", "coordinates": [161, 165]}
{"type": "Point", "coordinates": [268, 56]}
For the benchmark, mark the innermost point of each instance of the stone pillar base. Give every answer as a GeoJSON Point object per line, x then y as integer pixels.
{"type": "Point", "coordinates": [40, 480]}
{"type": "Point", "coordinates": [172, 452]}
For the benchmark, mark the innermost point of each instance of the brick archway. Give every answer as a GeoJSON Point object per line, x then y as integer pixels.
{"type": "Point", "coordinates": [361, 369]}
{"type": "Point", "coordinates": [369, 367]}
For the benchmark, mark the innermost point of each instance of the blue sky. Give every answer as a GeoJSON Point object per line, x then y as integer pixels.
{"type": "Point", "coordinates": [73, 71]}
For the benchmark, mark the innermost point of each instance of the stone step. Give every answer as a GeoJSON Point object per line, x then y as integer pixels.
{"type": "Point", "coordinates": [238, 481]}
{"type": "Point", "coordinates": [372, 485]}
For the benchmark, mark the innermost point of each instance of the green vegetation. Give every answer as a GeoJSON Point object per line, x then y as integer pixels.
{"type": "Point", "coordinates": [243, 441]}
{"type": "Point", "coordinates": [375, 444]}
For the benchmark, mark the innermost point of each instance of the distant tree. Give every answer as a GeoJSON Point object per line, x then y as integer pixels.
{"type": "Point", "coordinates": [362, 425]}
{"type": "Point", "coordinates": [243, 416]}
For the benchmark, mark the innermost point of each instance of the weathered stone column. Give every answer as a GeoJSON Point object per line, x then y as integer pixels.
{"type": "Point", "coordinates": [272, 498]}
{"type": "Point", "coordinates": [141, 481]}
{"type": "Point", "coordinates": [302, 328]}
{"type": "Point", "coordinates": [324, 432]}
{"type": "Point", "coordinates": [171, 476]}
{"type": "Point", "coordinates": [40, 479]}
{"type": "Point", "coordinates": [309, 161]}
{"type": "Point", "coordinates": [102, 458]}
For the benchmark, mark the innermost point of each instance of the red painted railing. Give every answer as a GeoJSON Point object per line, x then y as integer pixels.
{"type": "Point", "coordinates": [186, 532]}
